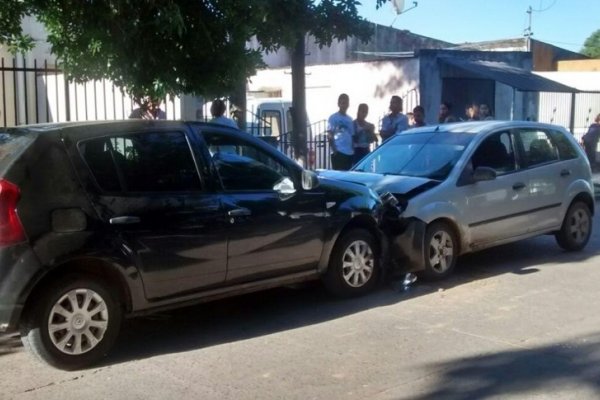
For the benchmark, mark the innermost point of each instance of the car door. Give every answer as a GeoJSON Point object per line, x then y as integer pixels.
{"type": "Point", "coordinates": [549, 177]}
{"type": "Point", "coordinates": [275, 227]}
{"type": "Point", "coordinates": [154, 204]}
{"type": "Point", "coordinates": [496, 209]}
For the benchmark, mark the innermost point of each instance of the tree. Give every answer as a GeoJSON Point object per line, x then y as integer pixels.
{"type": "Point", "coordinates": [591, 46]}
{"type": "Point", "coordinates": [155, 48]}
{"type": "Point", "coordinates": [286, 23]}
{"type": "Point", "coordinates": [150, 48]}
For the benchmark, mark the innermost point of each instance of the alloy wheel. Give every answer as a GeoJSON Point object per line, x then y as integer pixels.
{"type": "Point", "coordinates": [579, 226]}
{"type": "Point", "coordinates": [358, 263]}
{"type": "Point", "coordinates": [441, 251]}
{"type": "Point", "coordinates": [78, 321]}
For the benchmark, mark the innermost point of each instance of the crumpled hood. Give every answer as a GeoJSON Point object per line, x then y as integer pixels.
{"type": "Point", "coordinates": [397, 184]}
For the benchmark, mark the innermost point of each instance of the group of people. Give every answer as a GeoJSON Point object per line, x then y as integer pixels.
{"type": "Point", "coordinates": [152, 110]}
{"type": "Point", "coordinates": [350, 140]}
{"type": "Point", "coordinates": [473, 112]}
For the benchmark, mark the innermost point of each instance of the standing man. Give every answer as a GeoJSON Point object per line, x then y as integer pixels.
{"type": "Point", "coordinates": [217, 110]}
{"type": "Point", "coordinates": [445, 115]}
{"type": "Point", "coordinates": [395, 121]}
{"type": "Point", "coordinates": [590, 142]}
{"type": "Point", "coordinates": [364, 133]}
{"type": "Point", "coordinates": [418, 117]}
{"type": "Point", "coordinates": [148, 110]}
{"type": "Point", "coordinates": [484, 112]}
{"type": "Point", "coordinates": [340, 131]}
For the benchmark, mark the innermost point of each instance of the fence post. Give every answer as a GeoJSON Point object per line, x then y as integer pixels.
{"type": "Point", "coordinates": [572, 116]}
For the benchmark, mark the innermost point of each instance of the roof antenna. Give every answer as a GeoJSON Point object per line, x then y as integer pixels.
{"type": "Point", "coordinates": [399, 7]}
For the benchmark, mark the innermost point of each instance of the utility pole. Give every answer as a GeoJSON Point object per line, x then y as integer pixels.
{"type": "Point", "coordinates": [299, 124]}
{"type": "Point", "coordinates": [528, 33]}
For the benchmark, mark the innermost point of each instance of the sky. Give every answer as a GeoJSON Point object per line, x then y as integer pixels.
{"type": "Point", "coordinates": [563, 23]}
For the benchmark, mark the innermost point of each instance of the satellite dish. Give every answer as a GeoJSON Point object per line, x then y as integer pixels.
{"type": "Point", "coordinates": [398, 6]}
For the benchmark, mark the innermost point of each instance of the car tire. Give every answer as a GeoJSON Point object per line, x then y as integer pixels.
{"type": "Point", "coordinates": [441, 251]}
{"type": "Point", "coordinates": [576, 228]}
{"type": "Point", "coordinates": [72, 324]}
{"type": "Point", "coordinates": [354, 265]}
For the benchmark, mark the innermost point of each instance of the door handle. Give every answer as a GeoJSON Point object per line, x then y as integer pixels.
{"type": "Point", "coordinates": [565, 172]}
{"type": "Point", "coordinates": [239, 212]}
{"type": "Point", "coordinates": [124, 220]}
{"type": "Point", "coordinates": [518, 186]}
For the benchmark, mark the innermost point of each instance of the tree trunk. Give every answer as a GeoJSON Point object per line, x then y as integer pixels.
{"type": "Point", "coordinates": [238, 99]}
{"type": "Point", "coordinates": [299, 123]}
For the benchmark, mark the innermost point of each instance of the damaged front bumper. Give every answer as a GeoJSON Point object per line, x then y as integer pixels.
{"type": "Point", "coordinates": [405, 236]}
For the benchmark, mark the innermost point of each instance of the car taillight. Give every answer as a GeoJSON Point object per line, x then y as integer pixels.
{"type": "Point", "coordinates": [11, 230]}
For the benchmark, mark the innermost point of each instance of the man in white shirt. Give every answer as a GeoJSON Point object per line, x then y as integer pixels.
{"type": "Point", "coordinates": [340, 131]}
{"type": "Point", "coordinates": [395, 121]}
{"type": "Point", "coordinates": [217, 109]}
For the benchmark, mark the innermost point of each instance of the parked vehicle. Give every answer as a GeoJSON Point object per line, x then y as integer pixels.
{"type": "Point", "coordinates": [109, 219]}
{"type": "Point", "coordinates": [269, 117]}
{"type": "Point", "coordinates": [468, 186]}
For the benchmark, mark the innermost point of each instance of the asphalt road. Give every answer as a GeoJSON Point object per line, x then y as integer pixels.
{"type": "Point", "coordinates": [520, 321]}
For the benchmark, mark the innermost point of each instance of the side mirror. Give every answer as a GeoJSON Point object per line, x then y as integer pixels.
{"type": "Point", "coordinates": [484, 174]}
{"type": "Point", "coordinates": [309, 180]}
{"type": "Point", "coordinates": [285, 188]}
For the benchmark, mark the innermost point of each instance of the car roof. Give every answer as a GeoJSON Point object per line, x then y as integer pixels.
{"type": "Point", "coordinates": [481, 127]}
{"type": "Point", "coordinates": [128, 124]}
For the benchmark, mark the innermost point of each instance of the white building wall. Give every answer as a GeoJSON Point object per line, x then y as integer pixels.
{"type": "Point", "coordinates": [365, 82]}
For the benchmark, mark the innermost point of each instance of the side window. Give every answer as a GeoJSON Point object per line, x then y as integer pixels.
{"type": "Point", "coordinates": [538, 147]}
{"type": "Point", "coordinates": [497, 152]}
{"type": "Point", "coordinates": [566, 151]}
{"type": "Point", "coordinates": [272, 120]}
{"type": "Point", "coordinates": [241, 166]}
{"type": "Point", "coordinates": [148, 162]}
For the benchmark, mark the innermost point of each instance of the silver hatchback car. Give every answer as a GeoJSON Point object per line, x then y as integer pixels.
{"type": "Point", "coordinates": [463, 187]}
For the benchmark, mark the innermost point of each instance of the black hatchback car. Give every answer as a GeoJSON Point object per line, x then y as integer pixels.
{"type": "Point", "coordinates": [110, 219]}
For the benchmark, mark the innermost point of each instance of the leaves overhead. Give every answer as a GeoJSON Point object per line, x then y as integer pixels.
{"type": "Point", "coordinates": [155, 48]}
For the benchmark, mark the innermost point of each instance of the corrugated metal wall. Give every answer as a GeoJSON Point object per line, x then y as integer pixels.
{"type": "Point", "coordinates": [555, 108]}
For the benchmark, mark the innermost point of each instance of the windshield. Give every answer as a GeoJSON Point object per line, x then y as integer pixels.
{"type": "Point", "coordinates": [429, 155]}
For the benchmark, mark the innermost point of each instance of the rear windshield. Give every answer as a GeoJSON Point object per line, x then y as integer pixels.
{"type": "Point", "coordinates": [12, 143]}
{"type": "Point", "coordinates": [429, 155]}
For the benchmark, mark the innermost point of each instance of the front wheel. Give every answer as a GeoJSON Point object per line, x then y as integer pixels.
{"type": "Point", "coordinates": [354, 264]}
{"type": "Point", "coordinates": [72, 324]}
{"type": "Point", "coordinates": [441, 251]}
{"type": "Point", "coordinates": [576, 228]}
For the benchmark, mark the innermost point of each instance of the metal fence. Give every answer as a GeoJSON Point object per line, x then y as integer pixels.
{"type": "Point", "coordinates": [316, 143]}
{"type": "Point", "coordinates": [36, 92]}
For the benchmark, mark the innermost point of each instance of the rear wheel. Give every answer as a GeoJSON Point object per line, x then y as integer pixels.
{"type": "Point", "coordinates": [72, 324]}
{"type": "Point", "coordinates": [354, 264]}
{"type": "Point", "coordinates": [576, 228]}
{"type": "Point", "coordinates": [441, 251]}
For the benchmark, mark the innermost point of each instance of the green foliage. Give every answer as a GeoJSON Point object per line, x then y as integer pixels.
{"type": "Point", "coordinates": [156, 48]}
{"type": "Point", "coordinates": [591, 46]}
{"type": "Point", "coordinates": [11, 34]}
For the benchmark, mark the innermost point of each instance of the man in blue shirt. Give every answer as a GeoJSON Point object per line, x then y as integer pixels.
{"type": "Point", "coordinates": [340, 130]}
{"type": "Point", "coordinates": [395, 121]}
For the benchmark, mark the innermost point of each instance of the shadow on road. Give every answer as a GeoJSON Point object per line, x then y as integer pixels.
{"type": "Point", "coordinates": [548, 369]}
{"type": "Point", "coordinates": [283, 309]}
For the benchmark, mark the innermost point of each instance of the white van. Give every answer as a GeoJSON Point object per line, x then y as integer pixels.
{"type": "Point", "coordinates": [270, 116]}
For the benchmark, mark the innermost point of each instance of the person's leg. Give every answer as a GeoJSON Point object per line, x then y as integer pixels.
{"type": "Point", "coordinates": [335, 161]}
{"type": "Point", "coordinates": [359, 154]}
{"type": "Point", "coordinates": [591, 154]}
{"type": "Point", "coordinates": [347, 162]}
